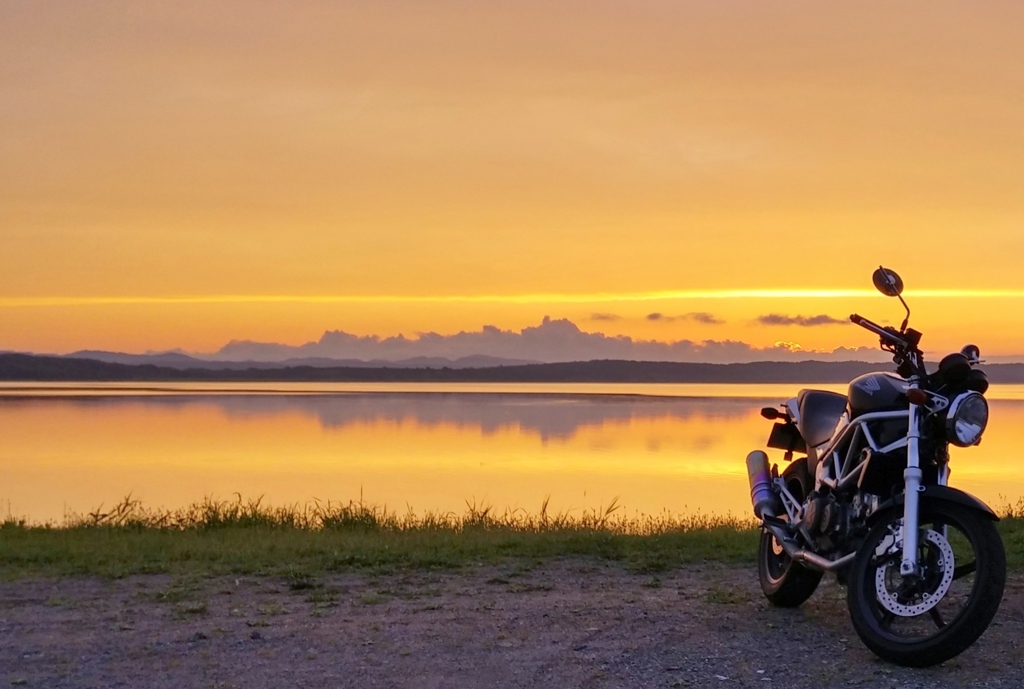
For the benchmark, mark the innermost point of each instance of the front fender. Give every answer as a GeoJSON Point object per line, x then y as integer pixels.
{"type": "Point", "coordinates": [944, 494]}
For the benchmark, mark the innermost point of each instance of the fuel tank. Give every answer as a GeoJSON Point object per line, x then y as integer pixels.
{"type": "Point", "coordinates": [877, 392]}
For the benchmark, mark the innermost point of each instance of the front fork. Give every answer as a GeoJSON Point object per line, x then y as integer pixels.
{"type": "Point", "coordinates": [912, 488]}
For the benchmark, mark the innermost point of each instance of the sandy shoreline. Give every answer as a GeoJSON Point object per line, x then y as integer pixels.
{"type": "Point", "coordinates": [563, 624]}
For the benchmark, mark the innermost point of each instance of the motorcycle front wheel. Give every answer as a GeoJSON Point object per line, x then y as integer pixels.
{"type": "Point", "coordinates": [926, 619]}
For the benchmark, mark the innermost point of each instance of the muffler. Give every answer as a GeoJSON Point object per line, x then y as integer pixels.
{"type": "Point", "coordinates": [763, 498]}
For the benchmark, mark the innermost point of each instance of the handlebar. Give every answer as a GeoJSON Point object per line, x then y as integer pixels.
{"type": "Point", "coordinates": [885, 333]}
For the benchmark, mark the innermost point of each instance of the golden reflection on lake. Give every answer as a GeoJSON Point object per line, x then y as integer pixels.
{"type": "Point", "coordinates": [429, 451]}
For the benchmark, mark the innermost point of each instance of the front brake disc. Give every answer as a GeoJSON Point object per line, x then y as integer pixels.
{"type": "Point", "coordinates": [890, 600]}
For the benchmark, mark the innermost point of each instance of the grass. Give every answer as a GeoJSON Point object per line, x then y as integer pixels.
{"type": "Point", "coordinates": [299, 543]}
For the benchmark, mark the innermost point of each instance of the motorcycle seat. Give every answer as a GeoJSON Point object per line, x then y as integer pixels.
{"type": "Point", "coordinates": [819, 413]}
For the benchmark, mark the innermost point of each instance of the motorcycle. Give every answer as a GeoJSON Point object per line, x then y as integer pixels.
{"type": "Point", "coordinates": [869, 500]}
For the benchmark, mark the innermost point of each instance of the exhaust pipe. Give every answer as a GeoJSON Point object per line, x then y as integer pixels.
{"type": "Point", "coordinates": [767, 505]}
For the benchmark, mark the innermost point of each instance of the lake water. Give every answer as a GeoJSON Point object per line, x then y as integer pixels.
{"type": "Point", "coordinates": [429, 447]}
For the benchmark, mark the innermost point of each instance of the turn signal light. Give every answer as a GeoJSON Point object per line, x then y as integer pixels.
{"type": "Point", "coordinates": [917, 396]}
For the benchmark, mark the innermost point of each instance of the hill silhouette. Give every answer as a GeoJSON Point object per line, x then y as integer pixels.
{"type": "Point", "coordinates": [26, 367]}
{"type": "Point", "coordinates": [184, 361]}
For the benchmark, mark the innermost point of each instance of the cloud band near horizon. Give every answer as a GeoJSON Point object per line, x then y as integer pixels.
{"type": "Point", "coordinates": [553, 340]}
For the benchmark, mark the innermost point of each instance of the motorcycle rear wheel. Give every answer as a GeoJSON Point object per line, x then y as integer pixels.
{"type": "Point", "coordinates": [786, 584]}
{"type": "Point", "coordinates": [925, 621]}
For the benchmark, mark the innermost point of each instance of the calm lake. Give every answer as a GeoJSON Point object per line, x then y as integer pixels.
{"type": "Point", "coordinates": [426, 447]}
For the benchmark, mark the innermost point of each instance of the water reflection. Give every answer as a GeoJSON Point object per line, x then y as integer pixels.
{"type": "Point", "coordinates": [426, 451]}
{"type": "Point", "coordinates": [551, 417]}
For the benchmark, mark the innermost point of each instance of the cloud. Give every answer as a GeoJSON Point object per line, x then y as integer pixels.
{"type": "Point", "coordinates": [702, 317]}
{"type": "Point", "coordinates": [803, 321]}
{"type": "Point", "coordinates": [696, 316]}
{"type": "Point", "coordinates": [552, 340]}
{"type": "Point", "coordinates": [605, 317]}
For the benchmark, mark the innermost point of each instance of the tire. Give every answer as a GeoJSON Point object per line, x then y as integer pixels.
{"type": "Point", "coordinates": [964, 608]}
{"type": "Point", "coordinates": [786, 584]}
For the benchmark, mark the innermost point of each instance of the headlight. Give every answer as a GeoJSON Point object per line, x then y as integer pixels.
{"type": "Point", "coordinates": [966, 420]}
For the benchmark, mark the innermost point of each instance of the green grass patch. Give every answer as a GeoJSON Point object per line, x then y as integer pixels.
{"type": "Point", "coordinates": [299, 544]}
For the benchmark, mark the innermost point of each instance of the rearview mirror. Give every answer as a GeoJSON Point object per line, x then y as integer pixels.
{"type": "Point", "coordinates": [887, 282]}
{"type": "Point", "coordinates": [972, 352]}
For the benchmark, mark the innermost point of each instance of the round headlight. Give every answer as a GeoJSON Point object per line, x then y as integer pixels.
{"type": "Point", "coordinates": [966, 420]}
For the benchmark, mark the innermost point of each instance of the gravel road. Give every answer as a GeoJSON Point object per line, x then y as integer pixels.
{"type": "Point", "coordinates": [564, 624]}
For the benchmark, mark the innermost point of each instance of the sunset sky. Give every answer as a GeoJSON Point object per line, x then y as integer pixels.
{"type": "Point", "coordinates": [181, 174]}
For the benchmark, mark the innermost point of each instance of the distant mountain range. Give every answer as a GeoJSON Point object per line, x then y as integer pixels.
{"type": "Point", "coordinates": [24, 367]}
{"type": "Point", "coordinates": [181, 360]}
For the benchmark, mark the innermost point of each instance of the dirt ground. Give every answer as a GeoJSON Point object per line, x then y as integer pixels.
{"type": "Point", "coordinates": [566, 624]}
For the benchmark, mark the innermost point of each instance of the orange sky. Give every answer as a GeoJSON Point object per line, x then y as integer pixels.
{"type": "Point", "coordinates": [534, 150]}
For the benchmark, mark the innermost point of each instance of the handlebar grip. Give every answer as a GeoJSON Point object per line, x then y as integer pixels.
{"type": "Point", "coordinates": [884, 333]}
